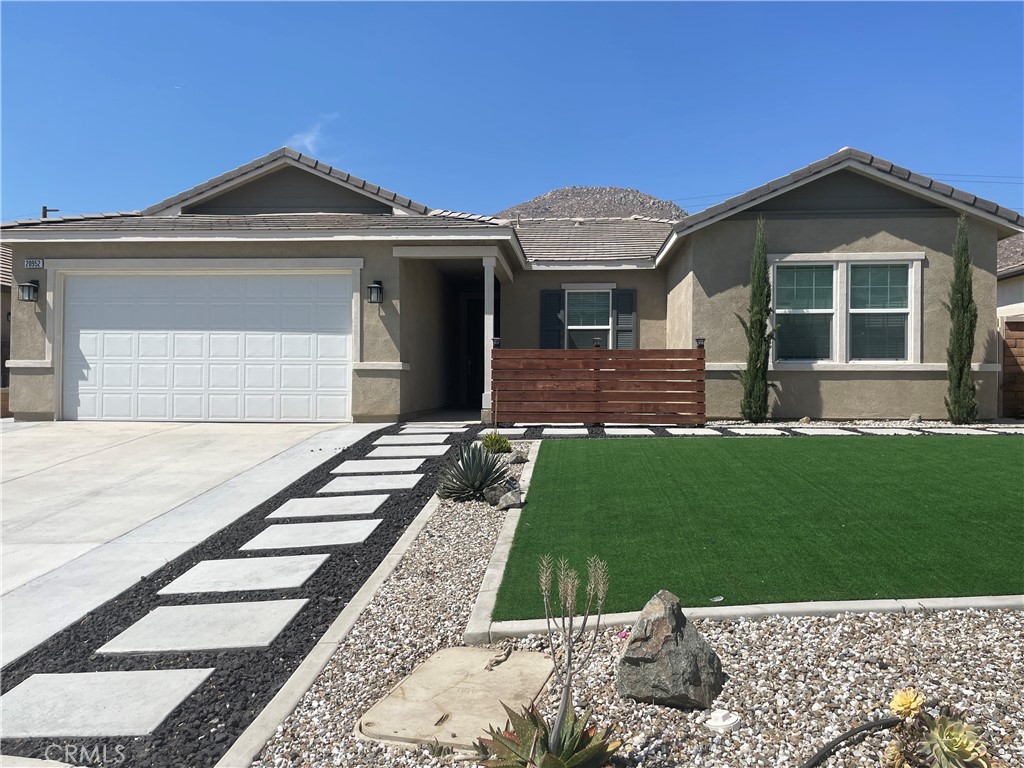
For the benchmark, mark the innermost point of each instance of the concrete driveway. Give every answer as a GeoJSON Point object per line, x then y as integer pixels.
{"type": "Point", "coordinates": [90, 507]}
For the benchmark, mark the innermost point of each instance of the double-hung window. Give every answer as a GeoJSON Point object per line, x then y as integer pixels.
{"type": "Point", "coordinates": [585, 315]}
{"type": "Point", "coordinates": [879, 311]}
{"type": "Point", "coordinates": [588, 319]}
{"type": "Point", "coordinates": [804, 311]}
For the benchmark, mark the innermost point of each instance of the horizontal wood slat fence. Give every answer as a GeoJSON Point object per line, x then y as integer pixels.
{"type": "Point", "coordinates": [597, 386]}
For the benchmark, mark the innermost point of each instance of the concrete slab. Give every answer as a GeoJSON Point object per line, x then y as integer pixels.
{"type": "Point", "coordinates": [216, 626]}
{"type": "Point", "coordinates": [329, 506]}
{"type": "Point", "coordinates": [307, 535]}
{"type": "Point", "coordinates": [244, 574]}
{"type": "Point", "coordinates": [432, 431]}
{"type": "Point", "coordinates": [823, 431]}
{"type": "Point", "coordinates": [757, 431]}
{"type": "Point", "coordinates": [454, 425]}
{"type": "Point", "coordinates": [547, 424]}
{"type": "Point", "coordinates": [694, 432]}
{"type": "Point", "coordinates": [96, 704]}
{"type": "Point", "coordinates": [38, 607]}
{"type": "Point", "coordinates": [506, 431]}
{"type": "Point", "coordinates": [957, 431]}
{"type": "Point", "coordinates": [453, 697]}
{"type": "Point", "coordinates": [564, 431]}
{"type": "Point", "coordinates": [358, 466]}
{"type": "Point", "coordinates": [1008, 430]}
{"type": "Point", "coordinates": [888, 431]}
{"type": "Point", "coordinates": [364, 483]}
{"type": "Point", "coordinates": [628, 432]}
{"type": "Point", "coordinates": [406, 451]}
{"type": "Point", "coordinates": [413, 439]}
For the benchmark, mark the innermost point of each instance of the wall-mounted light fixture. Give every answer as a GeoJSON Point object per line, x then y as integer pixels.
{"type": "Point", "coordinates": [375, 292]}
{"type": "Point", "coordinates": [700, 342]}
{"type": "Point", "coordinates": [28, 291]}
{"type": "Point", "coordinates": [496, 342]}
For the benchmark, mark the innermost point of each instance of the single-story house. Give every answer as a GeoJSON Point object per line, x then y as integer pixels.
{"type": "Point", "coordinates": [287, 289]}
{"type": "Point", "coordinates": [6, 281]}
{"type": "Point", "coordinates": [1010, 311]}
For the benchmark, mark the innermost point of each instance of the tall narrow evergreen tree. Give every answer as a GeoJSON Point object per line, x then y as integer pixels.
{"type": "Point", "coordinates": [754, 405]}
{"type": "Point", "coordinates": [961, 404]}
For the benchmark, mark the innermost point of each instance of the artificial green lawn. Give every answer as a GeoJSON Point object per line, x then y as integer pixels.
{"type": "Point", "coordinates": [766, 520]}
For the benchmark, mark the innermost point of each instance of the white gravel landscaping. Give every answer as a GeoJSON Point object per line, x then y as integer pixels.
{"type": "Point", "coordinates": [795, 682]}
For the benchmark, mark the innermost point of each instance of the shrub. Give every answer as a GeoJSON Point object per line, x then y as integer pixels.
{"type": "Point", "coordinates": [754, 378]}
{"type": "Point", "coordinates": [471, 473]}
{"type": "Point", "coordinates": [961, 403]}
{"type": "Point", "coordinates": [496, 443]}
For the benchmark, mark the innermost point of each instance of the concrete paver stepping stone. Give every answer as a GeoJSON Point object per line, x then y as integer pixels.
{"type": "Point", "coordinates": [329, 506]}
{"type": "Point", "coordinates": [454, 425]}
{"type": "Point", "coordinates": [413, 439]}
{"type": "Point", "coordinates": [242, 574]}
{"type": "Point", "coordinates": [304, 535]}
{"type": "Point", "coordinates": [823, 431]}
{"type": "Point", "coordinates": [1009, 430]}
{"type": "Point", "coordinates": [564, 431]}
{"type": "Point", "coordinates": [888, 431]}
{"type": "Point", "coordinates": [453, 697]}
{"type": "Point", "coordinates": [506, 431]}
{"type": "Point", "coordinates": [756, 431]}
{"type": "Point", "coordinates": [431, 431]}
{"type": "Point", "coordinates": [628, 432]}
{"type": "Point", "coordinates": [355, 466]}
{"type": "Point", "coordinates": [957, 431]}
{"type": "Point", "coordinates": [406, 451]}
{"type": "Point", "coordinates": [213, 626]}
{"type": "Point", "coordinates": [361, 483]}
{"type": "Point", "coordinates": [694, 432]}
{"type": "Point", "coordinates": [96, 704]}
{"type": "Point", "coordinates": [547, 424]}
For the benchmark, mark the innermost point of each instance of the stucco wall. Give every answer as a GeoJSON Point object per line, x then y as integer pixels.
{"type": "Point", "coordinates": [520, 302]}
{"type": "Point", "coordinates": [679, 303]}
{"type": "Point", "coordinates": [1010, 296]}
{"type": "Point", "coordinates": [424, 342]}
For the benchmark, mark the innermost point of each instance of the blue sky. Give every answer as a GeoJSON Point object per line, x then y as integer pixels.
{"type": "Point", "coordinates": [114, 106]}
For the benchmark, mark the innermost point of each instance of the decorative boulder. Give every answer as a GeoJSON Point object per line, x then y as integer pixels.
{"type": "Point", "coordinates": [493, 493]}
{"type": "Point", "coordinates": [513, 498]}
{"type": "Point", "coordinates": [666, 661]}
{"type": "Point", "coordinates": [518, 458]}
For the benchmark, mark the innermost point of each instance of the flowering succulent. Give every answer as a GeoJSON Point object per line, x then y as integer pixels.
{"type": "Point", "coordinates": [951, 743]}
{"type": "Point", "coordinates": [906, 702]}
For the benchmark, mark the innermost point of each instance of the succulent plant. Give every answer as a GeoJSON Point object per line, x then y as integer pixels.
{"type": "Point", "coordinates": [526, 741]}
{"type": "Point", "coordinates": [496, 443]}
{"type": "Point", "coordinates": [906, 702]}
{"type": "Point", "coordinates": [472, 471]}
{"type": "Point", "coordinates": [949, 742]}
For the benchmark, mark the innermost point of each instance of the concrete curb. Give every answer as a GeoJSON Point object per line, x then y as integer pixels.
{"type": "Point", "coordinates": [502, 629]}
{"type": "Point", "coordinates": [478, 629]}
{"type": "Point", "coordinates": [255, 737]}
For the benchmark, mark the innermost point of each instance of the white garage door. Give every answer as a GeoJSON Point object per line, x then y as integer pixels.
{"type": "Point", "coordinates": [208, 347]}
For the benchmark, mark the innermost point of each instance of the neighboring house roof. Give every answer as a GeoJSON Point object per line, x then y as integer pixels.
{"type": "Point", "coordinates": [858, 161]}
{"type": "Point", "coordinates": [1010, 256]}
{"type": "Point", "coordinates": [6, 262]}
{"type": "Point", "coordinates": [633, 238]}
{"type": "Point", "coordinates": [285, 156]}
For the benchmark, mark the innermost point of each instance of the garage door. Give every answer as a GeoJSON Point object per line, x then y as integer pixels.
{"type": "Point", "coordinates": [208, 347]}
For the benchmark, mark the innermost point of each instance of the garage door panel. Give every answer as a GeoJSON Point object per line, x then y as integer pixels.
{"type": "Point", "coordinates": [221, 347]}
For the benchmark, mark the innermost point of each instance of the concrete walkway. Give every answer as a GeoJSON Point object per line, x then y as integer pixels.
{"type": "Point", "coordinates": [89, 508]}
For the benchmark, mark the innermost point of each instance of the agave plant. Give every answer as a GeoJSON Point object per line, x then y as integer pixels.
{"type": "Point", "coordinates": [471, 472]}
{"type": "Point", "coordinates": [527, 742]}
{"type": "Point", "coordinates": [495, 442]}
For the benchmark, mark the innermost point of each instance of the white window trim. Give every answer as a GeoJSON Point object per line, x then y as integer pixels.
{"type": "Point", "coordinates": [833, 341]}
{"type": "Point", "coordinates": [850, 310]}
{"type": "Point", "coordinates": [841, 307]}
{"type": "Point", "coordinates": [604, 288]}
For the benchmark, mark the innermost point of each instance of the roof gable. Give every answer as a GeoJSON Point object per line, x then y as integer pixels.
{"type": "Point", "coordinates": [232, 182]}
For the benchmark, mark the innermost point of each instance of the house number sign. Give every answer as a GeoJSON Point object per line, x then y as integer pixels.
{"type": "Point", "coordinates": [33, 263]}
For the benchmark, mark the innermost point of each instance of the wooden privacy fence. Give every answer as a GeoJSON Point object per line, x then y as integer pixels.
{"type": "Point", "coordinates": [596, 386]}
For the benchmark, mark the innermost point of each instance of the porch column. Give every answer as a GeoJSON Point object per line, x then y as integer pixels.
{"type": "Point", "coordinates": [489, 262]}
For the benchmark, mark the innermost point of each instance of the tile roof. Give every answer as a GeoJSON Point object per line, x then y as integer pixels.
{"type": "Point", "coordinates": [288, 153]}
{"type": "Point", "coordinates": [1010, 256]}
{"type": "Point", "coordinates": [6, 262]}
{"type": "Point", "coordinates": [633, 238]}
{"type": "Point", "coordinates": [269, 222]}
{"type": "Point", "coordinates": [849, 156]}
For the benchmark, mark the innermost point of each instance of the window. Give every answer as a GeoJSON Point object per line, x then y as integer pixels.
{"type": "Point", "coordinates": [588, 321]}
{"type": "Point", "coordinates": [804, 312]}
{"type": "Point", "coordinates": [573, 316]}
{"type": "Point", "coordinates": [847, 308]}
{"type": "Point", "coordinates": [879, 311]}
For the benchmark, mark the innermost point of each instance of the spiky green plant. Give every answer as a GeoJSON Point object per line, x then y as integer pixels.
{"type": "Point", "coordinates": [528, 741]}
{"type": "Point", "coordinates": [754, 378]}
{"type": "Point", "coordinates": [470, 473]}
{"type": "Point", "coordinates": [495, 442]}
{"type": "Point", "coordinates": [961, 402]}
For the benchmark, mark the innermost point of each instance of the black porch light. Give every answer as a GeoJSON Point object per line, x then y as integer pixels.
{"type": "Point", "coordinates": [496, 342]}
{"type": "Point", "coordinates": [375, 292]}
{"type": "Point", "coordinates": [28, 291]}
{"type": "Point", "coordinates": [700, 342]}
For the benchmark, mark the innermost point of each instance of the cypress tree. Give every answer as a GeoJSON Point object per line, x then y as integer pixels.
{"type": "Point", "coordinates": [961, 404]}
{"type": "Point", "coordinates": [754, 405]}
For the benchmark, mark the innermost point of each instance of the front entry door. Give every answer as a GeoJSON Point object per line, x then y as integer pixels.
{"type": "Point", "coordinates": [471, 349]}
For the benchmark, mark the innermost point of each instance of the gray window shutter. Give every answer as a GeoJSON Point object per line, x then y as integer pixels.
{"type": "Point", "coordinates": [552, 325]}
{"type": "Point", "coordinates": [624, 318]}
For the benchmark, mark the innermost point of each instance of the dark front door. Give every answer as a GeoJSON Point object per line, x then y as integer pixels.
{"type": "Point", "coordinates": [471, 349]}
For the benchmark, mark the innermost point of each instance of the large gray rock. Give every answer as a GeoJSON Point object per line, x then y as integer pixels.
{"type": "Point", "coordinates": [513, 498]}
{"type": "Point", "coordinates": [666, 661]}
{"type": "Point", "coordinates": [493, 494]}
